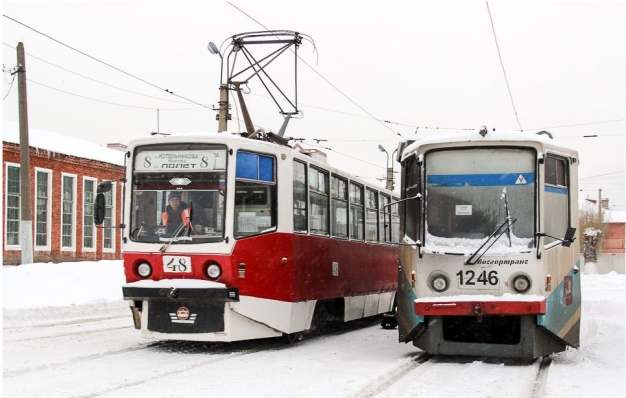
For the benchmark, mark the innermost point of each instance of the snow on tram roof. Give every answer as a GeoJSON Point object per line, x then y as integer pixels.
{"type": "Point", "coordinates": [474, 136]}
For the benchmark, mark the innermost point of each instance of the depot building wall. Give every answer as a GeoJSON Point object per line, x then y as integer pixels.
{"type": "Point", "coordinates": [87, 242]}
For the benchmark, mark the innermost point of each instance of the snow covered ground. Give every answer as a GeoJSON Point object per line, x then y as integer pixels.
{"type": "Point", "coordinates": [68, 333]}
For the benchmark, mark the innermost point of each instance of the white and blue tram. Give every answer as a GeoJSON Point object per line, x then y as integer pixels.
{"type": "Point", "coordinates": [488, 263]}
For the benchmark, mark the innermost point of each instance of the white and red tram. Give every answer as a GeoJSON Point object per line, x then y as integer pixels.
{"type": "Point", "coordinates": [274, 242]}
{"type": "Point", "coordinates": [489, 265]}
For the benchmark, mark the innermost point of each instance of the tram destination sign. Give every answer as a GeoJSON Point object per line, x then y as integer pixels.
{"type": "Point", "coordinates": [180, 160]}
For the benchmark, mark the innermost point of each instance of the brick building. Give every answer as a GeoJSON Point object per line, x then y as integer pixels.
{"type": "Point", "coordinates": [64, 174]}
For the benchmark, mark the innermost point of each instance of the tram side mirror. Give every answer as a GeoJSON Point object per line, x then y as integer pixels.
{"type": "Point", "coordinates": [569, 236]}
{"type": "Point", "coordinates": [99, 210]}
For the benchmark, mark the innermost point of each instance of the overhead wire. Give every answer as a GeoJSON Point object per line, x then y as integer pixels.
{"type": "Point", "coordinates": [98, 81]}
{"type": "Point", "coordinates": [105, 63]}
{"type": "Point", "coordinates": [503, 70]}
{"type": "Point", "coordinates": [110, 103]}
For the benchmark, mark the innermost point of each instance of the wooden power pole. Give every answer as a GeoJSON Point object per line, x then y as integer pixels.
{"type": "Point", "coordinates": [26, 219]}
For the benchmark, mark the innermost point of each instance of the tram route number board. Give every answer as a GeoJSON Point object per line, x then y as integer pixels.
{"type": "Point", "coordinates": [176, 264]}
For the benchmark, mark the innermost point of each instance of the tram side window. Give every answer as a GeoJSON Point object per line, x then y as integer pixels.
{"type": "Point", "coordinates": [371, 215]}
{"type": "Point", "coordinates": [300, 223]}
{"type": "Point", "coordinates": [385, 218]}
{"type": "Point", "coordinates": [318, 195]}
{"type": "Point", "coordinates": [410, 209]}
{"type": "Point", "coordinates": [395, 222]}
{"type": "Point", "coordinates": [556, 209]}
{"type": "Point", "coordinates": [255, 195]}
{"type": "Point", "coordinates": [339, 206]}
{"type": "Point", "coordinates": [356, 212]}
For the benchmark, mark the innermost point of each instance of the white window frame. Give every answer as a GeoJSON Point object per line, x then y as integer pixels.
{"type": "Point", "coordinates": [48, 246]}
{"type": "Point", "coordinates": [113, 216]}
{"type": "Point", "coordinates": [73, 247]}
{"type": "Point", "coordinates": [94, 244]}
{"type": "Point", "coordinates": [6, 190]}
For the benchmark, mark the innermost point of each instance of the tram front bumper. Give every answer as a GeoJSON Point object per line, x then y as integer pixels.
{"type": "Point", "coordinates": [179, 309]}
{"type": "Point", "coordinates": [432, 307]}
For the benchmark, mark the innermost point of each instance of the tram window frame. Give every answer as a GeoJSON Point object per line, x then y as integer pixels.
{"type": "Point", "coordinates": [556, 175]}
{"type": "Point", "coordinates": [339, 206]}
{"type": "Point", "coordinates": [411, 211]}
{"type": "Point", "coordinates": [250, 175]}
{"type": "Point", "coordinates": [556, 212]}
{"type": "Point", "coordinates": [395, 221]}
{"type": "Point", "coordinates": [371, 208]}
{"type": "Point", "coordinates": [384, 219]}
{"type": "Point", "coordinates": [357, 207]}
{"type": "Point", "coordinates": [300, 200]}
{"type": "Point", "coordinates": [319, 197]}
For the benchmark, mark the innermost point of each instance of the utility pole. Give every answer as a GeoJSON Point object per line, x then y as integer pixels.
{"type": "Point", "coordinates": [26, 219]}
{"type": "Point", "coordinates": [600, 220]}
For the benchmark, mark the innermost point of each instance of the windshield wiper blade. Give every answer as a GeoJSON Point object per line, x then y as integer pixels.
{"type": "Point", "coordinates": [508, 222]}
{"type": "Point", "coordinates": [178, 231]}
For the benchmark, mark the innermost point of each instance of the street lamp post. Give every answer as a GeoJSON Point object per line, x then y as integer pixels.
{"type": "Point", "coordinates": [389, 185]}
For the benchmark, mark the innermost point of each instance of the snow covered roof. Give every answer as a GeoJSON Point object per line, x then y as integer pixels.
{"type": "Point", "coordinates": [609, 216]}
{"type": "Point", "coordinates": [59, 143]}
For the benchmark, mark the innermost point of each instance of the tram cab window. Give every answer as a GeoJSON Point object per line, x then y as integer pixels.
{"type": "Point", "coordinates": [471, 192]}
{"type": "Point", "coordinates": [411, 208]}
{"type": "Point", "coordinates": [318, 195]}
{"type": "Point", "coordinates": [300, 215]}
{"type": "Point", "coordinates": [357, 225]}
{"type": "Point", "coordinates": [255, 195]}
{"type": "Point", "coordinates": [196, 175]}
{"type": "Point", "coordinates": [339, 206]}
{"type": "Point", "coordinates": [556, 206]}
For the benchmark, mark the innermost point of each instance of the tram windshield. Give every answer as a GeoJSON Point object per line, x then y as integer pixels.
{"type": "Point", "coordinates": [178, 193]}
{"type": "Point", "coordinates": [471, 192]}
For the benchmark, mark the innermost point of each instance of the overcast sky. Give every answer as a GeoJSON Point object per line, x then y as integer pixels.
{"type": "Point", "coordinates": [382, 71]}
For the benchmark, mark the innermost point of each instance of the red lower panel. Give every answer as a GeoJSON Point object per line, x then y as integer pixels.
{"type": "Point", "coordinates": [476, 308]}
{"type": "Point", "coordinates": [289, 267]}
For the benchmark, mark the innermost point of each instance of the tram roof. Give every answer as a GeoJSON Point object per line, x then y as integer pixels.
{"type": "Point", "coordinates": [232, 137]}
{"type": "Point", "coordinates": [474, 137]}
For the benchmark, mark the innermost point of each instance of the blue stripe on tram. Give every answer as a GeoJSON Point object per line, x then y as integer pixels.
{"type": "Point", "coordinates": [560, 191]}
{"type": "Point", "coordinates": [480, 180]}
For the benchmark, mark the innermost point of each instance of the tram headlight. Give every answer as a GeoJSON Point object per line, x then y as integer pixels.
{"type": "Point", "coordinates": [438, 281]}
{"type": "Point", "coordinates": [214, 271]}
{"type": "Point", "coordinates": [144, 270]}
{"type": "Point", "coordinates": [521, 283]}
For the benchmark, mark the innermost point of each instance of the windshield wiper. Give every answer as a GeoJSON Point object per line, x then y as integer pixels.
{"type": "Point", "coordinates": [508, 222]}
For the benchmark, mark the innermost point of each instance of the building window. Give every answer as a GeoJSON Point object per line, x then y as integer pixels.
{"type": "Point", "coordinates": [299, 197]}
{"type": "Point", "coordinates": [13, 206]}
{"type": "Point", "coordinates": [42, 211]}
{"type": "Point", "coordinates": [68, 215]}
{"type": "Point", "coordinates": [89, 192]}
{"type": "Point", "coordinates": [109, 215]}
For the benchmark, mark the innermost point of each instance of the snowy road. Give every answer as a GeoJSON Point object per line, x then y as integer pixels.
{"type": "Point", "coordinates": [92, 350]}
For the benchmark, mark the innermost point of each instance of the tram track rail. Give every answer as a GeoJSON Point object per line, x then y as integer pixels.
{"type": "Point", "coordinates": [392, 377]}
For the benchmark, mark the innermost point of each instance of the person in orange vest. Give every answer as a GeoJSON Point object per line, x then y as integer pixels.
{"type": "Point", "coordinates": [176, 213]}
